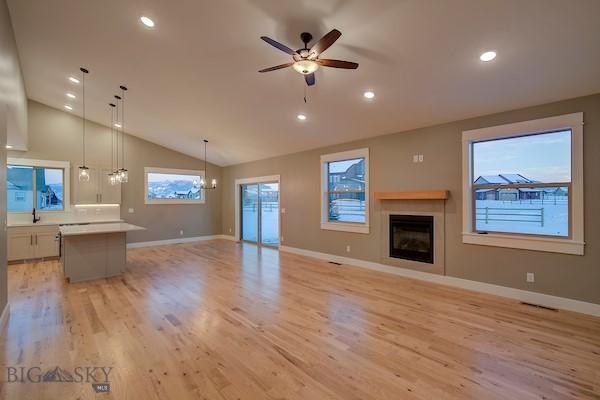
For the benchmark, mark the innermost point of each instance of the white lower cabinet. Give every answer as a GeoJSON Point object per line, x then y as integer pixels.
{"type": "Point", "coordinates": [27, 242]}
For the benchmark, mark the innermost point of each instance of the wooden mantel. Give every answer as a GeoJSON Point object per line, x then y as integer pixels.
{"type": "Point", "coordinates": [415, 195]}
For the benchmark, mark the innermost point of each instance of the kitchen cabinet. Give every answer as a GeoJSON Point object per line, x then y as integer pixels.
{"type": "Point", "coordinates": [26, 242]}
{"type": "Point", "coordinates": [97, 190]}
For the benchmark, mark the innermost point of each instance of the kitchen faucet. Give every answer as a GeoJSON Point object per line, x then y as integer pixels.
{"type": "Point", "coordinates": [34, 217]}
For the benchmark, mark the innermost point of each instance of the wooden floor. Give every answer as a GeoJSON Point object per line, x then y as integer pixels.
{"type": "Point", "coordinates": [221, 320]}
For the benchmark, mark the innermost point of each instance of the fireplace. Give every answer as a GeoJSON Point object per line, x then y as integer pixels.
{"type": "Point", "coordinates": [411, 237]}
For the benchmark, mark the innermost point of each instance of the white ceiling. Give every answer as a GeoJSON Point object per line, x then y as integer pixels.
{"type": "Point", "coordinates": [195, 76]}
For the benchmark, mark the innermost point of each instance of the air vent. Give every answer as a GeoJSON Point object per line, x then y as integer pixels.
{"type": "Point", "coordinates": [538, 306]}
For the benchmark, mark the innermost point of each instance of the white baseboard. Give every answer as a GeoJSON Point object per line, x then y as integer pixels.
{"type": "Point", "coordinates": [227, 237]}
{"type": "Point", "coordinates": [4, 317]}
{"type": "Point", "coordinates": [517, 294]}
{"type": "Point", "coordinates": [165, 242]}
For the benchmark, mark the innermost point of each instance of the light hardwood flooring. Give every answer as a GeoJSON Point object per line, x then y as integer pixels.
{"type": "Point", "coordinates": [221, 320]}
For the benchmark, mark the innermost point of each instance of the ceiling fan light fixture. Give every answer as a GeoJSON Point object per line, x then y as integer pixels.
{"type": "Point", "coordinates": [305, 67]}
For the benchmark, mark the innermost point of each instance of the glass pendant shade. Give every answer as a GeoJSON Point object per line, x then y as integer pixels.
{"type": "Point", "coordinates": [214, 183]}
{"type": "Point", "coordinates": [202, 183]}
{"type": "Point", "coordinates": [84, 174]}
{"type": "Point", "coordinates": [123, 175]}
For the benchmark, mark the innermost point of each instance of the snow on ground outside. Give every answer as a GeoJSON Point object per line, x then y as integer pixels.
{"type": "Point", "coordinates": [556, 216]}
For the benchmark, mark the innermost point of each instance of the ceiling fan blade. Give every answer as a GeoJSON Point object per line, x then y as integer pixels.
{"type": "Point", "coordinates": [310, 79]}
{"type": "Point", "coordinates": [338, 64]}
{"type": "Point", "coordinates": [325, 42]}
{"type": "Point", "coordinates": [277, 67]}
{"type": "Point", "coordinates": [278, 45]}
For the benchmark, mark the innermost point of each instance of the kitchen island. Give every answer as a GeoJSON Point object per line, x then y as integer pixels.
{"type": "Point", "coordinates": [92, 251]}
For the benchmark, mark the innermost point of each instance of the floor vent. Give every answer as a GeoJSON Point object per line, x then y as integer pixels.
{"type": "Point", "coordinates": [334, 263]}
{"type": "Point", "coordinates": [538, 306]}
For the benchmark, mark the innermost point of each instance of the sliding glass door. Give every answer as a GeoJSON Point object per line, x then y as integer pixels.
{"type": "Point", "coordinates": [260, 213]}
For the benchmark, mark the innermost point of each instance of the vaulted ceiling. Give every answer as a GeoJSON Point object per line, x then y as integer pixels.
{"type": "Point", "coordinates": [194, 75]}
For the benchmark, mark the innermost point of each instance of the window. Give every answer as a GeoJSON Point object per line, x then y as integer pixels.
{"type": "Point", "coordinates": [173, 186]}
{"type": "Point", "coordinates": [345, 191]}
{"type": "Point", "coordinates": [523, 185]}
{"type": "Point", "coordinates": [38, 187]}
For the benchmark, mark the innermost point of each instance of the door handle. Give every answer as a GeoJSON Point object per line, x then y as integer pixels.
{"type": "Point", "coordinates": [31, 240]}
{"type": "Point", "coordinates": [100, 197]}
{"type": "Point", "coordinates": [36, 239]}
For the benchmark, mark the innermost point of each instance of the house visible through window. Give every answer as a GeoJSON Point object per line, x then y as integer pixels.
{"type": "Point", "coordinates": [345, 191]}
{"type": "Point", "coordinates": [521, 184]}
{"type": "Point", "coordinates": [40, 187]}
{"type": "Point", "coordinates": [173, 186]}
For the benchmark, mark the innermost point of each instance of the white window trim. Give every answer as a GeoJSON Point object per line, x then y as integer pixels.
{"type": "Point", "coordinates": [573, 245]}
{"type": "Point", "coordinates": [64, 165]}
{"type": "Point", "coordinates": [148, 170]}
{"type": "Point", "coordinates": [344, 226]}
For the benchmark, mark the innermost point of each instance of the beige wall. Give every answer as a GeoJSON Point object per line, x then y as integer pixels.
{"type": "Point", "coordinates": [391, 168]}
{"type": "Point", "coordinates": [13, 122]}
{"type": "Point", "coordinates": [56, 135]}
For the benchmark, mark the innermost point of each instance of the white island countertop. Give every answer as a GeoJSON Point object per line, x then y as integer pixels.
{"type": "Point", "coordinates": [91, 229]}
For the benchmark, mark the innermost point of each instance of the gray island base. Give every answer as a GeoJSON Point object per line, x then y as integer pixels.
{"type": "Point", "coordinates": [94, 251]}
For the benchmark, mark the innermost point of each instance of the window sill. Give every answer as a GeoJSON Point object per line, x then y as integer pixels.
{"type": "Point", "coordinates": [345, 227]}
{"type": "Point", "coordinates": [566, 246]}
{"type": "Point", "coordinates": [175, 201]}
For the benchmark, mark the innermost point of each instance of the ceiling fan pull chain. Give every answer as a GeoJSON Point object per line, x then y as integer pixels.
{"type": "Point", "coordinates": [305, 93]}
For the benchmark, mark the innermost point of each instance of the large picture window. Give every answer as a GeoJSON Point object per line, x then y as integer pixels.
{"type": "Point", "coordinates": [29, 187]}
{"type": "Point", "coordinates": [524, 185]}
{"type": "Point", "coordinates": [173, 186]}
{"type": "Point", "coordinates": [345, 202]}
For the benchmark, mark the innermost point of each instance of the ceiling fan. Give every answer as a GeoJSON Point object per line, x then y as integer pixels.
{"type": "Point", "coordinates": [307, 61]}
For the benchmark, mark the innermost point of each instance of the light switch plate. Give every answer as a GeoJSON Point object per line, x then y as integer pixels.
{"type": "Point", "coordinates": [420, 157]}
{"type": "Point", "coordinates": [283, 210]}
{"type": "Point", "coordinates": [415, 158]}
{"type": "Point", "coordinates": [131, 211]}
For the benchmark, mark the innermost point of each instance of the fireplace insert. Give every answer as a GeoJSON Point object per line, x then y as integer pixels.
{"type": "Point", "coordinates": [411, 237]}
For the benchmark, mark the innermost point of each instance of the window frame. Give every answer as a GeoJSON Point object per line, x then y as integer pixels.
{"type": "Point", "coordinates": [572, 244]}
{"type": "Point", "coordinates": [64, 165]}
{"type": "Point", "coordinates": [200, 173]}
{"type": "Point", "coordinates": [326, 224]}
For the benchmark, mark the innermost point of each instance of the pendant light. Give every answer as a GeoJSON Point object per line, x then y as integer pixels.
{"type": "Point", "coordinates": [123, 173]}
{"type": "Point", "coordinates": [84, 172]}
{"type": "Point", "coordinates": [112, 180]}
{"type": "Point", "coordinates": [116, 171]}
{"type": "Point", "coordinates": [213, 184]}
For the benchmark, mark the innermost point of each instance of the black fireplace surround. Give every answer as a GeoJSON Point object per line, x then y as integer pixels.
{"type": "Point", "coordinates": [411, 237]}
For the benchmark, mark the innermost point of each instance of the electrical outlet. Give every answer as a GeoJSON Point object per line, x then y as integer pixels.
{"type": "Point", "coordinates": [229, 230]}
{"type": "Point", "coordinates": [348, 249]}
{"type": "Point", "coordinates": [530, 277]}
{"type": "Point", "coordinates": [283, 210]}
{"type": "Point", "coordinates": [181, 232]}
{"type": "Point", "coordinates": [131, 210]}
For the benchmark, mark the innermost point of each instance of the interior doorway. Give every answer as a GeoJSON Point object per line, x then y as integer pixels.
{"type": "Point", "coordinates": [258, 211]}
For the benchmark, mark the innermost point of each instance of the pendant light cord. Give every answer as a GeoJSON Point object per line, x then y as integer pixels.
{"type": "Point", "coordinates": [83, 72]}
{"type": "Point", "coordinates": [117, 134]}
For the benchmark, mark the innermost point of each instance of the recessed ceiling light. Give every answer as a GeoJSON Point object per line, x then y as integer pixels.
{"type": "Point", "coordinates": [8, 146]}
{"type": "Point", "coordinates": [369, 95]}
{"type": "Point", "coordinates": [147, 21]}
{"type": "Point", "coordinates": [117, 125]}
{"type": "Point", "coordinates": [301, 117]}
{"type": "Point", "coordinates": [71, 95]}
{"type": "Point", "coordinates": [487, 56]}
{"type": "Point", "coordinates": [68, 107]}
{"type": "Point", "coordinates": [74, 80]}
